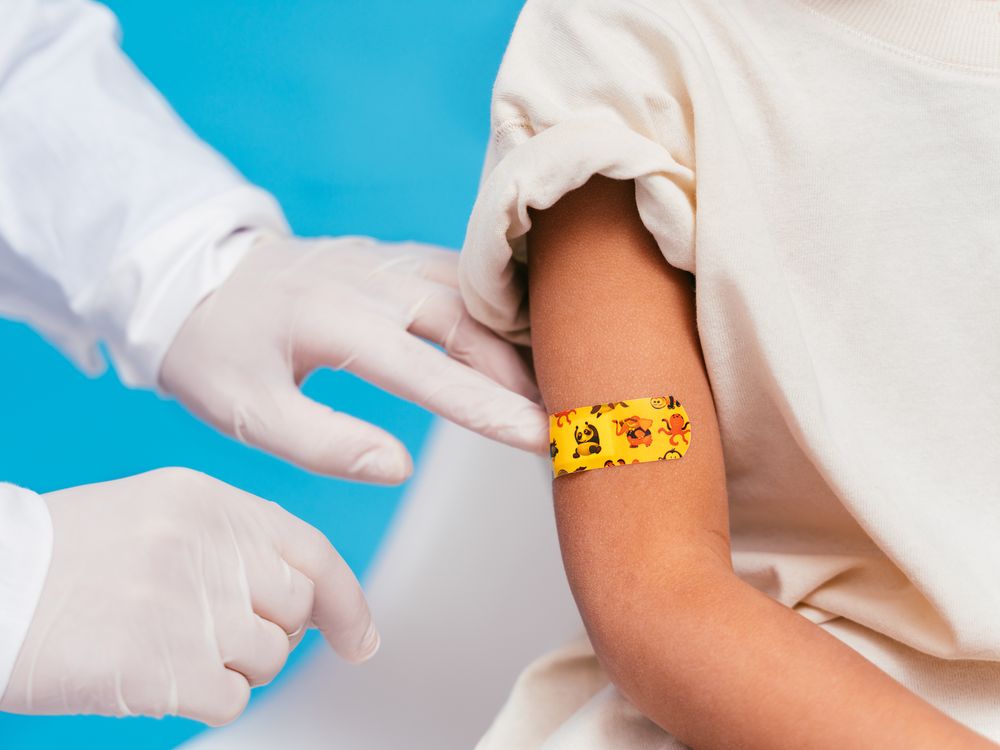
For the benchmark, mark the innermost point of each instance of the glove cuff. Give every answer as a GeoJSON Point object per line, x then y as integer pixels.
{"type": "Point", "coordinates": [25, 553]}
{"type": "Point", "coordinates": [171, 270]}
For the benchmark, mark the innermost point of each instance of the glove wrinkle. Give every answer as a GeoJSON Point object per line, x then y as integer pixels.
{"type": "Point", "coordinates": [175, 614]}
{"type": "Point", "coordinates": [292, 306]}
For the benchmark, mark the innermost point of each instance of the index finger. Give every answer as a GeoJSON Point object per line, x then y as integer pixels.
{"type": "Point", "coordinates": [449, 388]}
{"type": "Point", "coordinates": [340, 609]}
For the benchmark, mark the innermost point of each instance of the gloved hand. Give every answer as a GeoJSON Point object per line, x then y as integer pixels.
{"type": "Point", "coordinates": [295, 305]}
{"type": "Point", "coordinates": [173, 593]}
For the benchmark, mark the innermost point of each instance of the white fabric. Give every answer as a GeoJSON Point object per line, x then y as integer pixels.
{"type": "Point", "coordinates": [173, 593]}
{"type": "Point", "coordinates": [833, 188]}
{"type": "Point", "coordinates": [113, 215]}
{"type": "Point", "coordinates": [25, 549]}
{"type": "Point", "coordinates": [467, 589]}
{"type": "Point", "coordinates": [115, 221]}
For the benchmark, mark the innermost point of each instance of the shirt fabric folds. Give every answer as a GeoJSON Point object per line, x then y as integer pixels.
{"type": "Point", "coordinates": [830, 174]}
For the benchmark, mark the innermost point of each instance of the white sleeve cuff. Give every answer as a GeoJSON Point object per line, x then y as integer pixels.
{"type": "Point", "coordinates": [534, 171]}
{"type": "Point", "coordinates": [25, 552]}
{"type": "Point", "coordinates": [153, 288]}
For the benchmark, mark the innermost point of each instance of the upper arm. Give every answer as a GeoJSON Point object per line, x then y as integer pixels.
{"type": "Point", "coordinates": [611, 320]}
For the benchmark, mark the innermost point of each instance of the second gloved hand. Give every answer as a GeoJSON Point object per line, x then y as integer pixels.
{"type": "Point", "coordinates": [292, 306]}
{"type": "Point", "coordinates": [173, 593]}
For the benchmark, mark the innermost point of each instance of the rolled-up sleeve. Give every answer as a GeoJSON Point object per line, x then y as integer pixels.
{"type": "Point", "coordinates": [585, 88]}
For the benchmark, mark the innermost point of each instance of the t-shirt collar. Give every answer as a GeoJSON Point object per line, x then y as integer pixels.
{"type": "Point", "coordinates": [965, 33]}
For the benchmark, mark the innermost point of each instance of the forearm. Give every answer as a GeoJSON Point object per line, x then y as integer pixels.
{"type": "Point", "coordinates": [730, 667]}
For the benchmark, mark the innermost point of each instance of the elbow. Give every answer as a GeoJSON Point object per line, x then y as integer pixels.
{"type": "Point", "coordinates": [649, 623]}
{"type": "Point", "coordinates": [627, 589]}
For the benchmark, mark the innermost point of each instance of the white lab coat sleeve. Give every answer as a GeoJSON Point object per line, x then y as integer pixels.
{"type": "Point", "coordinates": [25, 551]}
{"type": "Point", "coordinates": [115, 220]}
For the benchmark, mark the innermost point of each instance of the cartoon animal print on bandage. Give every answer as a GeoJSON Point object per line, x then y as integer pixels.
{"type": "Point", "coordinates": [576, 444]}
{"type": "Point", "coordinates": [561, 415]}
{"type": "Point", "coordinates": [659, 402]}
{"type": "Point", "coordinates": [676, 427]}
{"type": "Point", "coordinates": [600, 409]}
{"type": "Point", "coordinates": [636, 430]}
{"type": "Point", "coordinates": [588, 441]}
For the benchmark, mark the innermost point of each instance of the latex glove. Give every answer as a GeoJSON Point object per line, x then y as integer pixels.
{"type": "Point", "coordinates": [173, 593]}
{"type": "Point", "coordinates": [294, 305]}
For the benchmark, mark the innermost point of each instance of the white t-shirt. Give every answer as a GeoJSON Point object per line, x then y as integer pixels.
{"type": "Point", "coordinates": [829, 171]}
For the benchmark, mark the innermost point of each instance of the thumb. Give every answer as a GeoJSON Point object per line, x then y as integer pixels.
{"type": "Point", "coordinates": [282, 421]}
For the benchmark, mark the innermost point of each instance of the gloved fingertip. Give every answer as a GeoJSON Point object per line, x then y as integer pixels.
{"type": "Point", "coordinates": [369, 646]}
{"type": "Point", "coordinates": [372, 643]}
{"type": "Point", "coordinates": [385, 465]}
{"type": "Point", "coordinates": [529, 432]}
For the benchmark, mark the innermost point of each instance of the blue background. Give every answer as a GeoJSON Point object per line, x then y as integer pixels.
{"type": "Point", "coordinates": [365, 118]}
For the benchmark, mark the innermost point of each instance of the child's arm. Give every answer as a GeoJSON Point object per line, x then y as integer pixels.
{"type": "Point", "coordinates": [646, 547]}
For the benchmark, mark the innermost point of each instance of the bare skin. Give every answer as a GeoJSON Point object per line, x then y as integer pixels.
{"type": "Point", "coordinates": [646, 547]}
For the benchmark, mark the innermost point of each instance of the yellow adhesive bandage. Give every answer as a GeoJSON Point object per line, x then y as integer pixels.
{"type": "Point", "coordinates": [617, 434]}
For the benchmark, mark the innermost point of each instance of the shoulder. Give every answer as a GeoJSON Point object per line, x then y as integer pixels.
{"type": "Point", "coordinates": [577, 40]}
{"type": "Point", "coordinates": [637, 16]}
{"type": "Point", "coordinates": [627, 61]}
